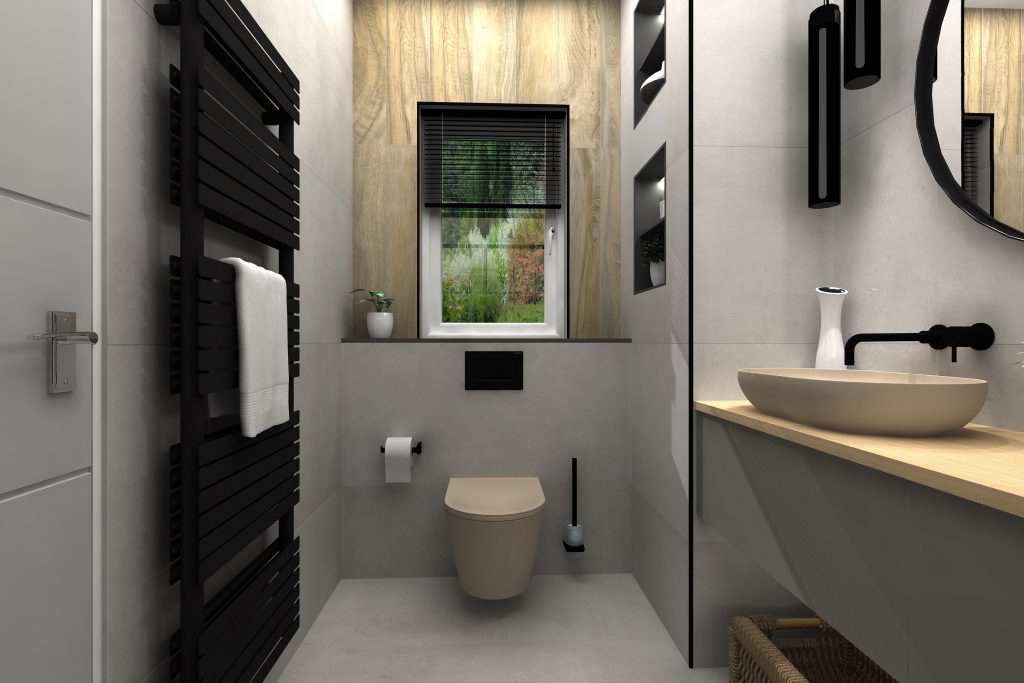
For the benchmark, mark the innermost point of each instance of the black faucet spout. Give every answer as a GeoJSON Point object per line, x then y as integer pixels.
{"type": "Point", "coordinates": [979, 337]}
{"type": "Point", "coordinates": [851, 343]}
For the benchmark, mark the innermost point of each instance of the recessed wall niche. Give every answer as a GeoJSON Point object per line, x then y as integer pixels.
{"type": "Point", "coordinates": [649, 225]}
{"type": "Point", "coordinates": [648, 55]}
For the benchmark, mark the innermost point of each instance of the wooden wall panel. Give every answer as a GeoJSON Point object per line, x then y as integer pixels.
{"type": "Point", "coordinates": [972, 56]}
{"type": "Point", "coordinates": [492, 51]}
{"type": "Point", "coordinates": [538, 79]}
{"type": "Point", "coordinates": [451, 68]}
{"type": "Point", "coordinates": [408, 66]}
{"type": "Point", "coordinates": [528, 51]}
{"type": "Point", "coordinates": [369, 72]}
{"type": "Point", "coordinates": [993, 68]}
{"type": "Point", "coordinates": [384, 255]}
{"type": "Point", "coordinates": [580, 37]}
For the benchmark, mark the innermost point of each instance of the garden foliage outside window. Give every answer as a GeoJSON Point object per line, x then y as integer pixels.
{"type": "Point", "coordinates": [493, 242]}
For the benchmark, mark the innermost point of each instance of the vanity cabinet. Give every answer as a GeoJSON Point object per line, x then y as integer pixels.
{"type": "Point", "coordinates": [928, 584]}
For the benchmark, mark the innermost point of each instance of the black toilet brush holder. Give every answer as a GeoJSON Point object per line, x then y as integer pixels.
{"type": "Point", "coordinates": [572, 536]}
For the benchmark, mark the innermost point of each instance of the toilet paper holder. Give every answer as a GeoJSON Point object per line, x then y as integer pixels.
{"type": "Point", "coordinates": [417, 449]}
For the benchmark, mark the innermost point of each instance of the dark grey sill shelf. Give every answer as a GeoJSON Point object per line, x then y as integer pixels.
{"type": "Point", "coordinates": [484, 340]}
{"type": "Point", "coordinates": [647, 289]}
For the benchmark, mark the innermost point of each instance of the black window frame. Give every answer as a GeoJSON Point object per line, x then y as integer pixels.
{"type": "Point", "coordinates": [562, 109]}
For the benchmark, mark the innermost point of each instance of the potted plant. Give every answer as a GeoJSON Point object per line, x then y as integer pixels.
{"type": "Point", "coordinates": [380, 321]}
{"type": "Point", "coordinates": [653, 250]}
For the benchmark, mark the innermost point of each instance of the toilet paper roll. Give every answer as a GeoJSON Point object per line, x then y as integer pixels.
{"type": "Point", "coordinates": [398, 460]}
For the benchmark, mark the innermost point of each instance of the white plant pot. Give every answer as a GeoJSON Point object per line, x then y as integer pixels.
{"type": "Point", "coordinates": [830, 342]}
{"type": "Point", "coordinates": [380, 325]}
{"type": "Point", "coordinates": [657, 273]}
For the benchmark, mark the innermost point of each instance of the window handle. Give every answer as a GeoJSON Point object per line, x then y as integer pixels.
{"type": "Point", "coordinates": [551, 240]}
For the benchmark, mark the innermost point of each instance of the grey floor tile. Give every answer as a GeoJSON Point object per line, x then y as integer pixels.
{"type": "Point", "coordinates": [321, 664]}
{"type": "Point", "coordinates": [514, 662]}
{"type": "Point", "coordinates": [611, 607]}
{"type": "Point", "coordinates": [564, 628]}
{"type": "Point", "coordinates": [636, 660]}
{"type": "Point", "coordinates": [364, 612]}
{"type": "Point", "coordinates": [540, 615]}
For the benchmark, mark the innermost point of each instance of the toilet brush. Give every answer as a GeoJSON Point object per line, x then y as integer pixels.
{"type": "Point", "coordinates": [572, 538]}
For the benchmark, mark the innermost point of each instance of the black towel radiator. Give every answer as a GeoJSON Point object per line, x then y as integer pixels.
{"type": "Point", "coordinates": [228, 166]}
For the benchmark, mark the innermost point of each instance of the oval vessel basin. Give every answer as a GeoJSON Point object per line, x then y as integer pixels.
{"type": "Point", "coordinates": [865, 402]}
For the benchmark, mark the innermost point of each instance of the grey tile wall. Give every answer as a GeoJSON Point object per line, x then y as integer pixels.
{"type": "Point", "coordinates": [573, 404]}
{"type": "Point", "coordinates": [141, 234]}
{"type": "Point", "coordinates": [911, 259]}
{"type": "Point", "coordinates": [908, 257]}
{"type": "Point", "coordinates": [901, 36]}
{"type": "Point", "coordinates": [661, 565]}
{"type": "Point", "coordinates": [759, 252]}
{"type": "Point", "coordinates": [658, 322]}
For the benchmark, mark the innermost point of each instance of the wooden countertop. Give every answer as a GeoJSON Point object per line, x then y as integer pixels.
{"type": "Point", "coordinates": [978, 463]}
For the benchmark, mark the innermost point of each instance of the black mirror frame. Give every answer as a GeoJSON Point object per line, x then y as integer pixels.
{"type": "Point", "coordinates": [925, 106]}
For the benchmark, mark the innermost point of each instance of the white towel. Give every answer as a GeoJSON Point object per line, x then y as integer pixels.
{"type": "Point", "coordinates": [261, 301]}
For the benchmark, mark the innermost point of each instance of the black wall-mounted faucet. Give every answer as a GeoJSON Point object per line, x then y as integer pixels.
{"type": "Point", "coordinates": [978, 336]}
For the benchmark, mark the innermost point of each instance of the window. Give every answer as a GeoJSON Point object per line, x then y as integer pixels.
{"type": "Point", "coordinates": [493, 220]}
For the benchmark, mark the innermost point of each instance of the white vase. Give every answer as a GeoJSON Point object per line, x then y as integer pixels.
{"type": "Point", "coordinates": [380, 325]}
{"type": "Point", "coordinates": [657, 273]}
{"type": "Point", "coordinates": [830, 341]}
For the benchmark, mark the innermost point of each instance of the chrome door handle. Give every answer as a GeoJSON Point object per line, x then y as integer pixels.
{"type": "Point", "coordinates": [67, 337]}
{"type": "Point", "coordinates": [551, 242]}
{"type": "Point", "coordinates": [61, 333]}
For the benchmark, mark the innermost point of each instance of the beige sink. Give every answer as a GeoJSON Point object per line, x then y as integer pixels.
{"type": "Point", "coordinates": [864, 402]}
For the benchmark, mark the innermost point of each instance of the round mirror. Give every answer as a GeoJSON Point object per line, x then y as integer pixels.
{"type": "Point", "coordinates": [971, 120]}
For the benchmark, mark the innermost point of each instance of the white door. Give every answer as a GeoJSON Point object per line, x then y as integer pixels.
{"type": "Point", "coordinates": [46, 263]}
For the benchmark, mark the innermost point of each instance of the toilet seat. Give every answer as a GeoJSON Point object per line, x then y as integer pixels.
{"type": "Point", "coordinates": [494, 499]}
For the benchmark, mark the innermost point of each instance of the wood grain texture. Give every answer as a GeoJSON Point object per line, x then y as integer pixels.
{"type": "Point", "coordinates": [981, 464]}
{"type": "Point", "coordinates": [594, 247]}
{"type": "Point", "coordinates": [972, 56]}
{"type": "Point", "coordinates": [451, 69]}
{"type": "Point", "coordinates": [1009, 171]}
{"type": "Point", "coordinates": [408, 66]}
{"type": "Point", "coordinates": [580, 35]}
{"type": "Point", "coordinates": [493, 25]}
{"type": "Point", "coordinates": [538, 77]}
{"type": "Point", "coordinates": [369, 72]}
{"type": "Point", "coordinates": [993, 68]}
{"type": "Point", "coordinates": [384, 255]}
{"type": "Point", "coordinates": [508, 51]}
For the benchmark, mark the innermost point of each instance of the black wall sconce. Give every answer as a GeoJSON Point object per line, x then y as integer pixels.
{"type": "Point", "coordinates": [824, 107]}
{"type": "Point", "coordinates": [862, 43]}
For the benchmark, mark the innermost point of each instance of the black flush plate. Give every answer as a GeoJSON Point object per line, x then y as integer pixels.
{"type": "Point", "coordinates": [494, 370]}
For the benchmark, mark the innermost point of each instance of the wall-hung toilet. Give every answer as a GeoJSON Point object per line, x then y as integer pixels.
{"type": "Point", "coordinates": [494, 525]}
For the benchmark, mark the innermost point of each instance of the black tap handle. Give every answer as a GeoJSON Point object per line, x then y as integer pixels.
{"type": "Point", "coordinates": [982, 336]}
{"type": "Point", "coordinates": [954, 354]}
{"type": "Point", "coordinates": [936, 337]}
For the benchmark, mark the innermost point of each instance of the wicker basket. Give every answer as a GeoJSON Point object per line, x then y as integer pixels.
{"type": "Point", "coordinates": [826, 657]}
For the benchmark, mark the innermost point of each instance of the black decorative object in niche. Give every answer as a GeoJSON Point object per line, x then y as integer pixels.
{"type": "Point", "coordinates": [494, 370]}
{"type": "Point", "coordinates": [823, 108]}
{"type": "Point", "coordinates": [862, 43]}
{"type": "Point", "coordinates": [648, 55]}
{"type": "Point", "coordinates": [649, 191]}
{"type": "Point", "coordinates": [977, 159]}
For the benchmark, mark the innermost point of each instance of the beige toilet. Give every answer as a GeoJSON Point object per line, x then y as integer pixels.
{"type": "Point", "coordinates": [494, 524]}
